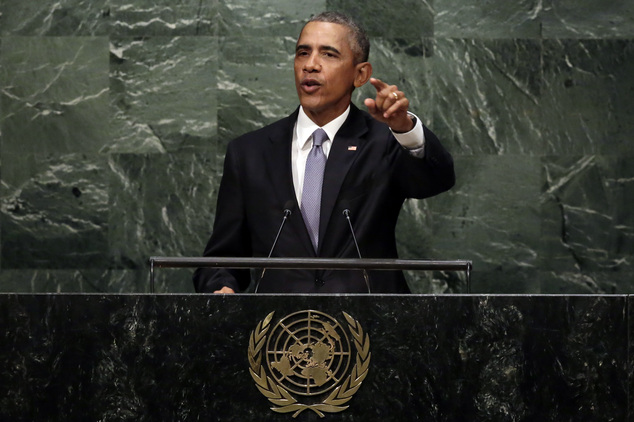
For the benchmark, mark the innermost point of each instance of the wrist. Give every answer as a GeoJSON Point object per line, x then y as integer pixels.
{"type": "Point", "coordinates": [407, 125]}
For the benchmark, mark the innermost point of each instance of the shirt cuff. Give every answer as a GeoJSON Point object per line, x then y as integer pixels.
{"type": "Point", "coordinates": [414, 140]}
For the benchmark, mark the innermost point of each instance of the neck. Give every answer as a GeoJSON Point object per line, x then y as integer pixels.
{"type": "Point", "coordinates": [322, 118]}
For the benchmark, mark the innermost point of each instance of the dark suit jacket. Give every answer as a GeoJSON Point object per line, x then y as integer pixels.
{"type": "Point", "coordinates": [371, 179]}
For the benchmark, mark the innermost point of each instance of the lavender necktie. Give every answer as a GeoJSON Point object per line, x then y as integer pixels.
{"type": "Point", "coordinates": [313, 181]}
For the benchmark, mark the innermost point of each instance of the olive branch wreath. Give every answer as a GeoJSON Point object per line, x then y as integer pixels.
{"type": "Point", "coordinates": [282, 399]}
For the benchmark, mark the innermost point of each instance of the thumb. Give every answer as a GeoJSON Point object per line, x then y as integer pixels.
{"type": "Point", "coordinates": [371, 105]}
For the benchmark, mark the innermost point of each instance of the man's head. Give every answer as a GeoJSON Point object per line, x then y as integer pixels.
{"type": "Point", "coordinates": [330, 62]}
{"type": "Point", "coordinates": [358, 38]}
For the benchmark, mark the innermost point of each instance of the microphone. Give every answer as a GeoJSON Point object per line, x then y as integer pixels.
{"type": "Point", "coordinates": [346, 213]}
{"type": "Point", "coordinates": [287, 212]}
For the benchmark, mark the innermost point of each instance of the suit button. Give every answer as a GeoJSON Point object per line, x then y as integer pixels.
{"type": "Point", "coordinates": [319, 282]}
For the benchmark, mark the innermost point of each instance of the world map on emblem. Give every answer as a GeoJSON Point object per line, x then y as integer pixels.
{"type": "Point", "coordinates": [308, 353]}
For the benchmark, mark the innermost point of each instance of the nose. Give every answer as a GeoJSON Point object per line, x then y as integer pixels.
{"type": "Point", "coordinates": [312, 63]}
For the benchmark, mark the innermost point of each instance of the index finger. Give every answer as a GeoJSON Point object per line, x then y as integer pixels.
{"type": "Point", "coordinates": [378, 84]}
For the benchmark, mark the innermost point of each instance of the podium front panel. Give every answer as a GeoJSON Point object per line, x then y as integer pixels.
{"type": "Point", "coordinates": [343, 358]}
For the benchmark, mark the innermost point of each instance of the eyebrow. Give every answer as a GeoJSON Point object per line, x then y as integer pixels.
{"type": "Point", "coordinates": [321, 48]}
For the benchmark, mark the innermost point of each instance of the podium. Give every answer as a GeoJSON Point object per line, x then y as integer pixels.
{"type": "Point", "coordinates": [191, 357]}
{"type": "Point", "coordinates": [312, 263]}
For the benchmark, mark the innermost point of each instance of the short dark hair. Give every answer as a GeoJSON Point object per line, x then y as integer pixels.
{"type": "Point", "coordinates": [360, 44]}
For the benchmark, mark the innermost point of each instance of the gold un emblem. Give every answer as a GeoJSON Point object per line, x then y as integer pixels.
{"type": "Point", "coordinates": [306, 362]}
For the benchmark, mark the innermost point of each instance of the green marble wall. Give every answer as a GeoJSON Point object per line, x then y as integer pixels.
{"type": "Point", "coordinates": [114, 117]}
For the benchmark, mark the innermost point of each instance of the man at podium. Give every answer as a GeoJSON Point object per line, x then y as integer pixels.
{"type": "Point", "coordinates": [327, 164]}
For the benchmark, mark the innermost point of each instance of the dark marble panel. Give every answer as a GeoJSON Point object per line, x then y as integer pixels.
{"type": "Point", "coordinates": [163, 17]}
{"type": "Point", "coordinates": [587, 282]}
{"type": "Point", "coordinates": [587, 223]}
{"type": "Point", "coordinates": [54, 17]}
{"type": "Point", "coordinates": [163, 94]}
{"type": "Point", "coordinates": [522, 280]}
{"type": "Point", "coordinates": [510, 279]}
{"type": "Point", "coordinates": [489, 19]}
{"type": "Point", "coordinates": [487, 96]}
{"type": "Point", "coordinates": [54, 95]}
{"type": "Point", "coordinates": [588, 96]}
{"type": "Point", "coordinates": [394, 19]}
{"type": "Point", "coordinates": [414, 233]}
{"type": "Point", "coordinates": [166, 280]}
{"type": "Point", "coordinates": [75, 281]}
{"type": "Point", "coordinates": [401, 62]}
{"type": "Point", "coordinates": [588, 19]}
{"type": "Point", "coordinates": [160, 205]}
{"type": "Point", "coordinates": [256, 85]}
{"type": "Point", "coordinates": [54, 211]}
{"type": "Point", "coordinates": [433, 358]}
{"type": "Point", "coordinates": [490, 217]}
{"type": "Point", "coordinates": [486, 85]}
{"type": "Point", "coordinates": [266, 18]}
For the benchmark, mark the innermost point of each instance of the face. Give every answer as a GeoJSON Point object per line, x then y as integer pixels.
{"type": "Point", "coordinates": [325, 70]}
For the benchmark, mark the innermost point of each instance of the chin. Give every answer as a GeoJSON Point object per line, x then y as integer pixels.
{"type": "Point", "coordinates": [308, 105]}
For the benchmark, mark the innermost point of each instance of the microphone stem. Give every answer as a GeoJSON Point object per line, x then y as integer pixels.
{"type": "Point", "coordinates": [346, 212]}
{"type": "Point", "coordinates": [356, 245]}
{"type": "Point", "coordinates": [287, 212]}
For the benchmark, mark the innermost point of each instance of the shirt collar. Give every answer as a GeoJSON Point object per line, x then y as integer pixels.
{"type": "Point", "coordinates": [306, 127]}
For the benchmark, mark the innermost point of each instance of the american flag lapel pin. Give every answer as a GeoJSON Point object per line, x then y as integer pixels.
{"type": "Point", "coordinates": [352, 148]}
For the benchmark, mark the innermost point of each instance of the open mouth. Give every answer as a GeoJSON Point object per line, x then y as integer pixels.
{"type": "Point", "coordinates": [310, 84]}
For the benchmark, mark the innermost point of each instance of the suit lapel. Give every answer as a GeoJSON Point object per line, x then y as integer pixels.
{"type": "Point", "coordinates": [277, 157]}
{"type": "Point", "coordinates": [345, 148]}
{"type": "Point", "coordinates": [278, 161]}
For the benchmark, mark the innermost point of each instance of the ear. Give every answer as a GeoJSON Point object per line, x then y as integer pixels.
{"type": "Point", "coordinates": [363, 74]}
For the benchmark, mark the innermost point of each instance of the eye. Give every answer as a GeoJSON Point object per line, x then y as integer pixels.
{"type": "Point", "coordinates": [330, 54]}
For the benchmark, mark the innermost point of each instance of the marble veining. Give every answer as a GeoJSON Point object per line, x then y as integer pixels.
{"type": "Point", "coordinates": [115, 116]}
{"type": "Point", "coordinates": [434, 358]}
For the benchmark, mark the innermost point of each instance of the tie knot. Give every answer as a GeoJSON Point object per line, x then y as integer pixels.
{"type": "Point", "coordinates": [319, 136]}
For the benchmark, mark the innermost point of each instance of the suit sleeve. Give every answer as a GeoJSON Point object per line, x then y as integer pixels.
{"type": "Point", "coordinates": [230, 237]}
{"type": "Point", "coordinates": [429, 175]}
